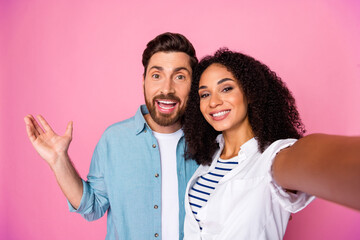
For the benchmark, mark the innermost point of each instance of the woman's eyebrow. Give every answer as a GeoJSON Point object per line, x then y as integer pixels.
{"type": "Point", "coordinates": [218, 83]}
{"type": "Point", "coordinates": [224, 80]}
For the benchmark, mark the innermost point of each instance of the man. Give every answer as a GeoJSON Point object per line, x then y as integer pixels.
{"type": "Point", "coordinates": [137, 173]}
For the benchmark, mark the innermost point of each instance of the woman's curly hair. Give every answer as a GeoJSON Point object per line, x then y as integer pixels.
{"type": "Point", "coordinates": [271, 107]}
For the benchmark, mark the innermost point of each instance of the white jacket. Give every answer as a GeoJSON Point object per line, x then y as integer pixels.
{"type": "Point", "coordinates": [247, 203]}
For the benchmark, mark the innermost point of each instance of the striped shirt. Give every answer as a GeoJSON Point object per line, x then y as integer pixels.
{"type": "Point", "coordinates": [205, 185]}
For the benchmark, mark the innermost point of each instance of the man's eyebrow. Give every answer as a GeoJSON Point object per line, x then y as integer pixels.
{"type": "Point", "coordinates": [218, 83]}
{"type": "Point", "coordinates": [157, 67]}
{"type": "Point", "coordinates": [181, 68]}
{"type": "Point", "coordinates": [175, 70]}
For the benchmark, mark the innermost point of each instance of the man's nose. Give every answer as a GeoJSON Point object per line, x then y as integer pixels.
{"type": "Point", "coordinates": [168, 86]}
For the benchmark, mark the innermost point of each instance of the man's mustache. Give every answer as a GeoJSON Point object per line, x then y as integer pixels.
{"type": "Point", "coordinates": [167, 96]}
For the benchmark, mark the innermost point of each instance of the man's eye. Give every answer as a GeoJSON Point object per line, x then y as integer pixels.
{"type": "Point", "coordinates": [180, 77]}
{"type": "Point", "coordinates": [155, 76]}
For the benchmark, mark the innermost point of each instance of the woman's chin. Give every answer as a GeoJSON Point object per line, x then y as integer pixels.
{"type": "Point", "coordinates": [219, 128]}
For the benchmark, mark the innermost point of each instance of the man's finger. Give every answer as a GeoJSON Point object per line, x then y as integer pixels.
{"type": "Point", "coordinates": [30, 129]}
{"type": "Point", "coordinates": [44, 124]}
{"type": "Point", "coordinates": [69, 129]}
{"type": "Point", "coordinates": [36, 125]}
{"type": "Point", "coordinates": [30, 133]}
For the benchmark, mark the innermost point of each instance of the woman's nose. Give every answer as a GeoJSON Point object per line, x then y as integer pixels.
{"type": "Point", "coordinates": [215, 100]}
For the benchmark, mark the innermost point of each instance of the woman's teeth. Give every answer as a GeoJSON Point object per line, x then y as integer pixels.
{"type": "Point", "coordinates": [218, 114]}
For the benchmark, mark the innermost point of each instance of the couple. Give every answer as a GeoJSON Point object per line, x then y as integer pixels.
{"type": "Point", "coordinates": [249, 179]}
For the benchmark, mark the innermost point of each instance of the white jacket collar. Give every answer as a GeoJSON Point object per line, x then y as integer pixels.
{"type": "Point", "coordinates": [248, 148]}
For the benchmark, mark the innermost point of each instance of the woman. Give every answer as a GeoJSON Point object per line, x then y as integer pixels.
{"type": "Point", "coordinates": [240, 122]}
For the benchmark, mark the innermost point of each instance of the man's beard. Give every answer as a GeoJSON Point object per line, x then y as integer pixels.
{"type": "Point", "coordinates": [161, 118]}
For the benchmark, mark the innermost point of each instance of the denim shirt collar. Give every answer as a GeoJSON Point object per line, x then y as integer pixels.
{"type": "Point", "coordinates": [140, 122]}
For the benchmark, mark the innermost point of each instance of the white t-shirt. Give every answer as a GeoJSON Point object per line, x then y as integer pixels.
{"type": "Point", "coordinates": [247, 203]}
{"type": "Point", "coordinates": [169, 184]}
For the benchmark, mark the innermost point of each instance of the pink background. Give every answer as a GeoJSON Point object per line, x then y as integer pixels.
{"type": "Point", "coordinates": [81, 61]}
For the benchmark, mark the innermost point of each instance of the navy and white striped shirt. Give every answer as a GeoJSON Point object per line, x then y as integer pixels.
{"type": "Point", "coordinates": [205, 185]}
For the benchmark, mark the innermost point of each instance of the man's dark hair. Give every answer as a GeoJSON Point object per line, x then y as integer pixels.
{"type": "Point", "coordinates": [169, 42]}
{"type": "Point", "coordinates": [271, 107]}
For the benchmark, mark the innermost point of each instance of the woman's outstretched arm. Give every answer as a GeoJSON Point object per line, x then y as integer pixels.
{"type": "Point", "coordinates": [326, 166]}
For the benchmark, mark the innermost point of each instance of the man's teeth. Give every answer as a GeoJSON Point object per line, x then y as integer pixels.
{"type": "Point", "coordinates": [166, 102]}
{"type": "Point", "coordinates": [218, 114]}
{"type": "Point", "coordinates": [167, 107]}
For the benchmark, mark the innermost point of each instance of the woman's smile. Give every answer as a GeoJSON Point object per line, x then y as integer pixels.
{"type": "Point", "coordinates": [219, 115]}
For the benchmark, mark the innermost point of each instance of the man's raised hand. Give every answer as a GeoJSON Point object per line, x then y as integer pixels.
{"type": "Point", "coordinates": [46, 142]}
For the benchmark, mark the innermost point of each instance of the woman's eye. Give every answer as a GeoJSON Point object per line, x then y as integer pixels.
{"type": "Point", "coordinates": [155, 75]}
{"type": "Point", "coordinates": [227, 89]}
{"type": "Point", "coordinates": [204, 95]}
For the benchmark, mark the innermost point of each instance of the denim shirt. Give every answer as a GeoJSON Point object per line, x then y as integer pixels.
{"type": "Point", "coordinates": [125, 180]}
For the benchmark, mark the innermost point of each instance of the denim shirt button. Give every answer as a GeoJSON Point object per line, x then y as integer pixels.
{"type": "Point", "coordinates": [154, 145]}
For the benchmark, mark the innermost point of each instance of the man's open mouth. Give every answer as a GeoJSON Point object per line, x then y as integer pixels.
{"type": "Point", "coordinates": [166, 105]}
